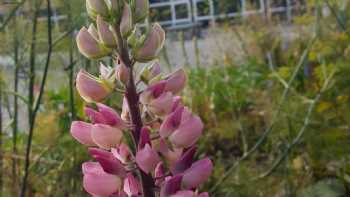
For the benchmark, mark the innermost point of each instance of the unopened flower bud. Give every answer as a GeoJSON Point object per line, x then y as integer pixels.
{"type": "Point", "coordinates": [89, 46]}
{"type": "Point", "coordinates": [105, 34]}
{"type": "Point", "coordinates": [151, 71]}
{"type": "Point", "coordinates": [93, 32]}
{"type": "Point", "coordinates": [141, 9]}
{"type": "Point", "coordinates": [125, 115]}
{"type": "Point", "coordinates": [122, 73]}
{"type": "Point", "coordinates": [152, 45]}
{"type": "Point", "coordinates": [96, 7]}
{"type": "Point", "coordinates": [126, 21]}
{"type": "Point", "coordinates": [90, 88]}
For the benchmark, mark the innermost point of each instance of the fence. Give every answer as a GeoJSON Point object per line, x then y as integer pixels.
{"type": "Point", "coordinates": [176, 14]}
{"type": "Point", "coordinates": [183, 13]}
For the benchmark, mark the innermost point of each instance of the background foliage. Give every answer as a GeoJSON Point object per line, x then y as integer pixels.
{"type": "Point", "coordinates": [275, 104]}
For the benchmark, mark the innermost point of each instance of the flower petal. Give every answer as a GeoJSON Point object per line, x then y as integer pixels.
{"type": "Point", "coordinates": [81, 131]}
{"type": "Point", "coordinates": [106, 136]}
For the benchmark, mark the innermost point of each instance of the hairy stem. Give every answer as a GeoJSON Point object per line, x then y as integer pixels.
{"type": "Point", "coordinates": [133, 102]}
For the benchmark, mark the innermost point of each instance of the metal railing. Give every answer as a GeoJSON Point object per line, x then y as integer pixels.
{"type": "Point", "coordinates": [186, 13]}
{"type": "Point", "coordinates": [195, 14]}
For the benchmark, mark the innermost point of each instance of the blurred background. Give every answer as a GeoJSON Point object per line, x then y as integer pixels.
{"type": "Point", "coordinates": [270, 79]}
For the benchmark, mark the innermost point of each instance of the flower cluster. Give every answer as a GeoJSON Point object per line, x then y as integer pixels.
{"type": "Point", "coordinates": [159, 158]}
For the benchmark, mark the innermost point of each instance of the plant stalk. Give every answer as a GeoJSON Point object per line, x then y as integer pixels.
{"type": "Point", "coordinates": [135, 114]}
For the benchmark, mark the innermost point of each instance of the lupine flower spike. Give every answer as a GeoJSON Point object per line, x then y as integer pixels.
{"type": "Point", "coordinates": [160, 158]}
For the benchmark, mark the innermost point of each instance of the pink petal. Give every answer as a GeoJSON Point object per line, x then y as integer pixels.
{"type": "Point", "coordinates": [184, 162]}
{"type": "Point", "coordinates": [101, 184]}
{"type": "Point", "coordinates": [81, 131]}
{"type": "Point", "coordinates": [111, 117]}
{"type": "Point", "coordinates": [162, 105]}
{"type": "Point", "coordinates": [144, 137]}
{"type": "Point", "coordinates": [122, 152]}
{"type": "Point", "coordinates": [106, 36]}
{"type": "Point", "coordinates": [152, 92]}
{"type": "Point", "coordinates": [171, 186]}
{"type": "Point", "coordinates": [125, 110]}
{"type": "Point", "coordinates": [131, 185]}
{"type": "Point", "coordinates": [90, 88]}
{"type": "Point", "coordinates": [95, 117]}
{"type": "Point", "coordinates": [188, 132]}
{"type": "Point", "coordinates": [91, 167]}
{"type": "Point", "coordinates": [159, 173]}
{"type": "Point", "coordinates": [186, 193]}
{"type": "Point", "coordinates": [170, 123]}
{"type": "Point", "coordinates": [106, 136]}
{"type": "Point", "coordinates": [87, 44]}
{"type": "Point", "coordinates": [176, 81]}
{"type": "Point", "coordinates": [204, 194]}
{"type": "Point", "coordinates": [147, 159]}
{"type": "Point", "coordinates": [197, 174]}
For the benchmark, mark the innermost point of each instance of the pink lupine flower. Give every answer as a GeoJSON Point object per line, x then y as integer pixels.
{"type": "Point", "coordinates": [189, 193]}
{"type": "Point", "coordinates": [131, 186]}
{"type": "Point", "coordinates": [156, 100]}
{"type": "Point", "coordinates": [161, 149]}
{"type": "Point", "coordinates": [150, 72]}
{"type": "Point", "coordinates": [89, 46]}
{"type": "Point", "coordinates": [90, 88]}
{"type": "Point", "coordinates": [159, 174]}
{"type": "Point", "coordinates": [97, 182]}
{"type": "Point", "coordinates": [186, 193]}
{"type": "Point", "coordinates": [184, 162]}
{"type": "Point", "coordinates": [152, 45]}
{"type": "Point", "coordinates": [170, 155]}
{"type": "Point", "coordinates": [188, 132]}
{"type": "Point", "coordinates": [105, 115]}
{"type": "Point", "coordinates": [122, 73]}
{"type": "Point", "coordinates": [141, 9]}
{"type": "Point", "coordinates": [81, 131]}
{"type": "Point", "coordinates": [95, 7]}
{"type": "Point", "coordinates": [144, 137]}
{"type": "Point", "coordinates": [105, 34]}
{"type": "Point", "coordinates": [126, 21]}
{"type": "Point", "coordinates": [152, 92]}
{"type": "Point", "coordinates": [94, 116]}
{"type": "Point", "coordinates": [125, 110]}
{"type": "Point", "coordinates": [122, 152]}
{"type": "Point", "coordinates": [177, 103]}
{"type": "Point", "coordinates": [93, 32]}
{"type": "Point", "coordinates": [108, 162]}
{"type": "Point", "coordinates": [106, 72]}
{"type": "Point", "coordinates": [162, 105]}
{"type": "Point", "coordinates": [197, 173]}
{"type": "Point", "coordinates": [176, 81]}
{"type": "Point", "coordinates": [171, 186]}
{"type": "Point", "coordinates": [171, 123]}
{"type": "Point", "coordinates": [147, 159]}
{"type": "Point", "coordinates": [106, 136]}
